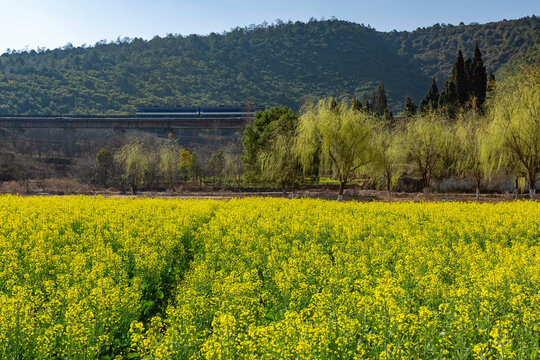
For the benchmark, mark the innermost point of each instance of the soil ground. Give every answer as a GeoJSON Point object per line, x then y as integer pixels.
{"type": "Point", "coordinates": [361, 195]}
{"type": "Point", "coordinates": [50, 187]}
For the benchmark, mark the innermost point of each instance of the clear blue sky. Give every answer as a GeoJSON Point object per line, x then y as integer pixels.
{"type": "Point", "coordinates": [54, 23]}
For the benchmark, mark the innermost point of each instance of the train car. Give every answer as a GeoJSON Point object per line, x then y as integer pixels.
{"type": "Point", "coordinates": [197, 112]}
{"type": "Point", "coordinates": [227, 112]}
{"type": "Point", "coordinates": [169, 112]}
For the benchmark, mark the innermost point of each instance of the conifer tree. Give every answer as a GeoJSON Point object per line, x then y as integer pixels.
{"type": "Point", "coordinates": [479, 79]}
{"type": "Point", "coordinates": [381, 104]}
{"type": "Point", "coordinates": [431, 100]}
{"type": "Point", "coordinates": [491, 85]}
{"type": "Point", "coordinates": [367, 105]}
{"type": "Point", "coordinates": [410, 107]}
{"type": "Point", "coordinates": [459, 80]}
{"type": "Point", "coordinates": [374, 105]}
{"type": "Point", "coordinates": [356, 105]}
{"type": "Point", "coordinates": [469, 69]}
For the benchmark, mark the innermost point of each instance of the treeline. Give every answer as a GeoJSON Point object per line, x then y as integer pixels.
{"type": "Point", "coordinates": [269, 65]}
{"type": "Point", "coordinates": [344, 141]}
{"type": "Point", "coordinates": [149, 162]}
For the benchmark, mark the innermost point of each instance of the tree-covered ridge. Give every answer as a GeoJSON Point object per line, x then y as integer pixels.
{"type": "Point", "coordinates": [268, 65]}
{"type": "Point", "coordinates": [435, 48]}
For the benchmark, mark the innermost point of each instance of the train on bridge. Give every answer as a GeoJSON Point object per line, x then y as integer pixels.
{"type": "Point", "coordinates": [197, 112]}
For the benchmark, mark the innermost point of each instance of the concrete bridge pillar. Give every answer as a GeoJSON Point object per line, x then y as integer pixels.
{"type": "Point", "coordinates": [68, 141]}
{"type": "Point", "coordinates": [20, 140]}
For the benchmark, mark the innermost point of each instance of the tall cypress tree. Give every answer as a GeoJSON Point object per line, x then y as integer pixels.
{"type": "Point", "coordinates": [479, 79]}
{"type": "Point", "coordinates": [367, 105]}
{"type": "Point", "coordinates": [410, 107]}
{"type": "Point", "coordinates": [459, 80]}
{"type": "Point", "coordinates": [381, 104]}
{"type": "Point", "coordinates": [469, 69]}
{"type": "Point", "coordinates": [374, 105]}
{"type": "Point", "coordinates": [431, 100]}
{"type": "Point", "coordinates": [448, 101]}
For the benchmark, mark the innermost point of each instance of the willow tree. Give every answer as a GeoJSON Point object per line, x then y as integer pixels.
{"type": "Point", "coordinates": [340, 135]}
{"type": "Point", "coordinates": [169, 151]}
{"type": "Point", "coordinates": [514, 131]}
{"type": "Point", "coordinates": [185, 164]}
{"type": "Point", "coordinates": [135, 161]}
{"type": "Point", "coordinates": [279, 162]}
{"type": "Point", "coordinates": [428, 146]}
{"type": "Point", "coordinates": [470, 133]}
{"type": "Point", "coordinates": [278, 159]}
{"type": "Point", "coordinates": [389, 158]}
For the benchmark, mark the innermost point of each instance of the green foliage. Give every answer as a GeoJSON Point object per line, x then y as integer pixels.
{"type": "Point", "coordinates": [457, 85]}
{"type": "Point", "coordinates": [435, 47]}
{"type": "Point", "coordinates": [428, 146]}
{"type": "Point", "coordinates": [514, 131]}
{"type": "Point", "coordinates": [169, 152]}
{"type": "Point", "coordinates": [135, 161]}
{"type": "Point", "coordinates": [259, 138]}
{"type": "Point", "coordinates": [430, 102]}
{"type": "Point", "coordinates": [216, 165]}
{"type": "Point", "coordinates": [410, 108]}
{"type": "Point", "coordinates": [104, 167]}
{"type": "Point", "coordinates": [278, 158]}
{"type": "Point", "coordinates": [342, 136]}
{"type": "Point", "coordinates": [471, 138]}
{"type": "Point", "coordinates": [273, 65]}
{"type": "Point", "coordinates": [390, 159]}
{"type": "Point", "coordinates": [355, 104]}
{"type": "Point", "coordinates": [185, 163]}
{"type": "Point", "coordinates": [479, 79]}
{"type": "Point", "coordinates": [491, 85]}
{"type": "Point", "coordinates": [380, 105]}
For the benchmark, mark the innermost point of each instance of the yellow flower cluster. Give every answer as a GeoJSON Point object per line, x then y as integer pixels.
{"type": "Point", "coordinates": [268, 278]}
{"type": "Point", "coordinates": [76, 272]}
{"type": "Point", "coordinates": [308, 279]}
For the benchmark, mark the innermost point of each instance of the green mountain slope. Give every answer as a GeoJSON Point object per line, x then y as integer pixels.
{"type": "Point", "coordinates": [273, 65]}
{"type": "Point", "coordinates": [434, 49]}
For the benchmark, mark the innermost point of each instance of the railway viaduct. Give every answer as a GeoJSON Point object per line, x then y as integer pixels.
{"type": "Point", "coordinates": [70, 124]}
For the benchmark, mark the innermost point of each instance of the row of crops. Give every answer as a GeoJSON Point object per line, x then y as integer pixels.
{"type": "Point", "coordinates": [86, 278]}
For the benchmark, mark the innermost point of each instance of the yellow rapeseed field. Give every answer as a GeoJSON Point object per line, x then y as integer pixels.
{"type": "Point", "coordinates": [94, 278]}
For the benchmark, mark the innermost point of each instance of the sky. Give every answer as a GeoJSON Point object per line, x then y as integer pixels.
{"type": "Point", "coordinates": [29, 24]}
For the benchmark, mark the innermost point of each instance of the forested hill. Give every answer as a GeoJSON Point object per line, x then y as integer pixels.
{"type": "Point", "coordinates": [267, 65]}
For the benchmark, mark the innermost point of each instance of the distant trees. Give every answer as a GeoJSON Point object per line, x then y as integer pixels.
{"type": "Point", "coordinates": [216, 165]}
{"type": "Point", "coordinates": [169, 153]}
{"type": "Point", "coordinates": [104, 172]}
{"type": "Point", "coordinates": [114, 78]}
{"type": "Point", "coordinates": [430, 102]}
{"type": "Point", "coordinates": [410, 108]}
{"type": "Point", "coordinates": [148, 161]}
{"type": "Point", "coordinates": [185, 164]}
{"type": "Point", "coordinates": [135, 161]}
{"type": "Point", "coordinates": [465, 88]}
